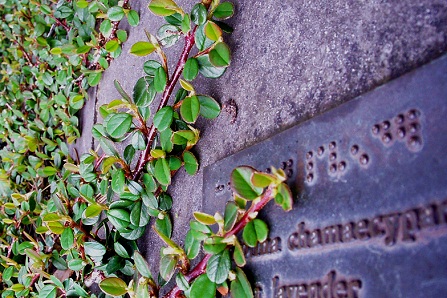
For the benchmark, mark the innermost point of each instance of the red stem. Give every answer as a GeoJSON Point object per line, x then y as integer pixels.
{"type": "Point", "coordinates": [200, 268]}
{"type": "Point", "coordinates": [144, 157]}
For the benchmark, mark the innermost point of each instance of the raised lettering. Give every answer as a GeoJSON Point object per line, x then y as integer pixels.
{"type": "Point", "coordinates": [331, 235]}
{"type": "Point", "coordinates": [427, 216]}
{"type": "Point", "coordinates": [408, 223]}
{"type": "Point", "coordinates": [347, 234]}
{"type": "Point", "coordinates": [361, 231]}
{"type": "Point", "coordinates": [315, 238]}
{"type": "Point", "coordinates": [391, 228]}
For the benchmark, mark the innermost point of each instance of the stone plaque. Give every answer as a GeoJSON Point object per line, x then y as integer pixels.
{"type": "Point", "coordinates": [370, 185]}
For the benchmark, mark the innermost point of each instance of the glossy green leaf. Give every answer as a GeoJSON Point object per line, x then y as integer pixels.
{"type": "Point", "coordinates": [209, 107]}
{"type": "Point", "coordinates": [144, 91]}
{"type": "Point", "coordinates": [218, 267]}
{"type": "Point", "coordinates": [138, 141]}
{"type": "Point", "coordinates": [94, 78]}
{"type": "Point", "coordinates": [220, 55]}
{"type": "Point", "coordinates": [204, 218]}
{"type": "Point", "coordinates": [48, 291]}
{"type": "Point", "coordinates": [190, 109]}
{"type": "Point", "coordinates": [118, 181]}
{"type": "Point", "coordinates": [150, 67]}
{"type": "Point", "coordinates": [142, 48]}
{"type": "Point", "coordinates": [242, 185]}
{"type": "Point", "coordinates": [164, 225]}
{"type": "Point", "coordinates": [191, 164]}
{"type": "Point", "coordinates": [238, 254]}
{"type": "Point", "coordinates": [122, 35]}
{"type": "Point", "coordinates": [118, 125]}
{"type": "Point", "coordinates": [94, 249]}
{"type": "Point", "coordinates": [212, 31]}
{"type": "Point", "coordinates": [199, 14]}
{"type": "Point", "coordinates": [142, 265]}
{"type": "Point", "coordinates": [120, 250]}
{"type": "Point", "coordinates": [182, 137]}
{"type": "Point", "coordinates": [133, 18]}
{"type": "Point", "coordinates": [160, 79]}
{"type": "Point", "coordinates": [162, 172]}
{"type": "Point", "coordinates": [67, 238]}
{"type": "Point", "coordinates": [115, 13]}
{"type": "Point", "coordinates": [76, 264]}
{"type": "Point", "coordinates": [224, 10]}
{"type": "Point", "coordinates": [174, 19]}
{"type": "Point", "coordinates": [174, 163]}
{"type": "Point", "coordinates": [164, 7]}
{"type": "Point", "coordinates": [191, 69]}
{"type": "Point", "coordinates": [284, 197]}
{"type": "Point", "coordinates": [120, 218]}
{"type": "Point", "coordinates": [240, 287]}
{"type": "Point", "coordinates": [230, 215]}
{"type": "Point", "coordinates": [113, 286]}
{"type": "Point", "coordinates": [201, 41]}
{"type": "Point", "coordinates": [133, 234]}
{"type": "Point", "coordinates": [139, 216]}
{"type": "Point", "coordinates": [203, 287]}
{"type": "Point", "coordinates": [167, 266]}
{"type": "Point", "coordinates": [255, 231]}
{"type": "Point", "coordinates": [186, 24]}
{"type": "Point", "coordinates": [163, 118]}
{"type": "Point", "coordinates": [192, 245]}
{"type": "Point", "coordinates": [168, 35]}
{"type": "Point", "coordinates": [106, 28]}
{"type": "Point", "coordinates": [207, 69]}
{"type": "Point", "coordinates": [165, 202]}
{"type": "Point", "coordinates": [112, 45]}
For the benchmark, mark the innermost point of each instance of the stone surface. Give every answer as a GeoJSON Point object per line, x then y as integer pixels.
{"type": "Point", "coordinates": [369, 180]}
{"type": "Point", "coordinates": [292, 60]}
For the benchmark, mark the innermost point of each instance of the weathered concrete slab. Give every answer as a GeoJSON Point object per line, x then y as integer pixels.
{"type": "Point", "coordinates": [292, 60]}
{"type": "Point", "coordinates": [370, 185]}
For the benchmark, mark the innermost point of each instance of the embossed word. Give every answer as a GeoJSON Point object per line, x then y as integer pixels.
{"type": "Point", "coordinates": [269, 246]}
{"type": "Point", "coordinates": [392, 226]}
{"type": "Point", "coordinates": [328, 287]}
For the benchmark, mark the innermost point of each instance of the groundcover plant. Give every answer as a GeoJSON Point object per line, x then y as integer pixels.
{"type": "Point", "coordinates": [67, 223]}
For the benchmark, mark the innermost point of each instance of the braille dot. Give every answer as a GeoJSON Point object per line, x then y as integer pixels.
{"type": "Point", "coordinates": [375, 129]}
{"type": "Point", "coordinates": [332, 156]}
{"type": "Point", "coordinates": [268, 170]}
{"type": "Point", "coordinates": [310, 166]}
{"type": "Point", "coordinates": [289, 173]}
{"type": "Point", "coordinates": [401, 132]}
{"type": "Point", "coordinates": [354, 149]}
{"type": "Point", "coordinates": [333, 168]}
{"type": "Point", "coordinates": [290, 162]}
{"type": "Point", "coordinates": [413, 114]}
{"type": "Point", "coordinates": [364, 159]}
{"type": "Point", "coordinates": [387, 138]}
{"type": "Point", "coordinates": [310, 177]}
{"type": "Point", "coordinates": [399, 119]}
{"type": "Point", "coordinates": [386, 125]}
{"type": "Point", "coordinates": [283, 165]}
{"type": "Point", "coordinates": [415, 141]}
{"type": "Point", "coordinates": [414, 127]}
{"type": "Point", "coordinates": [342, 166]}
{"type": "Point", "coordinates": [332, 145]}
{"type": "Point", "coordinates": [309, 155]}
{"type": "Point", "coordinates": [320, 150]}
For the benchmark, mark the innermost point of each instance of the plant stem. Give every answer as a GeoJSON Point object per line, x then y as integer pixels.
{"type": "Point", "coordinates": [200, 268]}
{"type": "Point", "coordinates": [144, 156]}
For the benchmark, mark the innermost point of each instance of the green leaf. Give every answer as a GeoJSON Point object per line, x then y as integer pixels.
{"type": "Point", "coordinates": [230, 215]}
{"type": "Point", "coordinates": [106, 28]}
{"type": "Point", "coordinates": [115, 13]}
{"type": "Point", "coordinates": [142, 48]}
{"type": "Point", "coordinates": [209, 107]}
{"type": "Point", "coordinates": [120, 250]}
{"type": "Point", "coordinates": [212, 31]}
{"type": "Point", "coordinates": [164, 225]}
{"type": "Point", "coordinates": [167, 266]}
{"type": "Point", "coordinates": [113, 286]}
{"type": "Point", "coordinates": [149, 182]}
{"type": "Point", "coordinates": [190, 109]}
{"type": "Point", "coordinates": [168, 35]}
{"type": "Point", "coordinates": [94, 249]}
{"type": "Point", "coordinates": [238, 254]}
{"type": "Point", "coordinates": [142, 265]}
{"type": "Point", "coordinates": [76, 264]}
{"type": "Point", "coordinates": [182, 137]}
{"type": "Point", "coordinates": [133, 234]}
{"type": "Point", "coordinates": [192, 245]}
{"type": "Point", "coordinates": [67, 238]}
{"type": "Point", "coordinates": [144, 92]}
{"type": "Point", "coordinates": [224, 10]}
{"type": "Point", "coordinates": [112, 45]}
{"type": "Point", "coordinates": [118, 181]}
{"type": "Point", "coordinates": [80, 50]}
{"type": "Point", "coordinates": [164, 7]}
{"type": "Point", "coordinates": [163, 118]}
{"type": "Point", "coordinates": [218, 267]}
{"type": "Point", "coordinates": [199, 14]}
{"type": "Point", "coordinates": [48, 291]}
{"type": "Point", "coordinates": [191, 164]}
{"type": "Point", "coordinates": [162, 172]}
{"type": "Point", "coordinates": [220, 55]}
{"type": "Point", "coordinates": [150, 67]}
{"type": "Point", "coordinates": [284, 197]}
{"type": "Point", "coordinates": [160, 79]}
{"type": "Point", "coordinates": [186, 24]}
{"type": "Point", "coordinates": [201, 41]}
{"type": "Point", "coordinates": [133, 18]}
{"type": "Point", "coordinates": [203, 287]}
{"type": "Point", "coordinates": [47, 171]}
{"type": "Point", "coordinates": [139, 216]}
{"type": "Point", "coordinates": [174, 19]}
{"type": "Point", "coordinates": [118, 125]}
{"type": "Point", "coordinates": [138, 142]}
{"type": "Point", "coordinates": [120, 218]}
{"type": "Point", "coordinates": [122, 35]}
{"type": "Point", "coordinates": [255, 231]}
{"type": "Point", "coordinates": [204, 218]}
{"type": "Point", "coordinates": [94, 78]}
{"type": "Point", "coordinates": [207, 69]}
{"type": "Point", "coordinates": [191, 69]}
{"type": "Point", "coordinates": [242, 185]}
{"type": "Point", "coordinates": [240, 287]}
